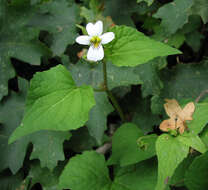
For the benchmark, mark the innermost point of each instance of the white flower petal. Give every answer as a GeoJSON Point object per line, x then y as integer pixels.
{"type": "Point", "coordinates": [107, 37]}
{"type": "Point", "coordinates": [90, 29]}
{"type": "Point", "coordinates": [95, 29]}
{"type": "Point", "coordinates": [98, 27]}
{"type": "Point", "coordinates": [84, 40]}
{"type": "Point", "coordinates": [95, 54]}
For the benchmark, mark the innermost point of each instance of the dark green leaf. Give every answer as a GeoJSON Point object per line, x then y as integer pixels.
{"type": "Point", "coordinates": [174, 15]}
{"type": "Point", "coordinates": [142, 176]}
{"type": "Point", "coordinates": [48, 147]}
{"type": "Point", "coordinates": [48, 179]}
{"type": "Point", "coordinates": [92, 74]}
{"type": "Point", "coordinates": [98, 116]}
{"type": "Point", "coordinates": [59, 18]}
{"type": "Point", "coordinates": [200, 7]}
{"type": "Point", "coordinates": [197, 174]}
{"type": "Point", "coordinates": [24, 44]}
{"type": "Point", "coordinates": [6, 72]}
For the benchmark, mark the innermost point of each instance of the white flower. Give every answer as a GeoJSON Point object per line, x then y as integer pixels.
{"type": "Point", "coordinates": [95, 40]}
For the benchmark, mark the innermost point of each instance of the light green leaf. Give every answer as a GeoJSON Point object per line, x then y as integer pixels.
{"type": "Point", "coordinates": [125, 149]}
{"type": "Point", "coordinates": [174, 15]}
{"type": "Point", "coordinates": [59, 18]}
{"type": "Point", "coordinates": [55, 103]}
{"type": "Point", "coordinates": [131, 48]}
{"type": "Point", "coordinates": [200, 7]}
{"type": "Point", "coordinates": [87, 171]}
{"type": "Point", "coordinates": [199, 118]}
{"type": "Point", "coordinates": [204, 136]}
{"type": "Point", "coordinates": [197, 174]}
{"type": "Point", "coordinates": [98, 116]}
{"type": "Point", "coordinates": [192, 141]}
{"type": "Point", "coordinates": [170, 153]}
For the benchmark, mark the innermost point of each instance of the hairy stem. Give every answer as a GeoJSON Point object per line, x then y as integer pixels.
{"type": "Point", "coordinates": [110, 94]}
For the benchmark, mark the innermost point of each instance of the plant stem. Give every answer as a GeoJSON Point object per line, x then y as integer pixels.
{"type": "Point", "coordinates": [110, 94]}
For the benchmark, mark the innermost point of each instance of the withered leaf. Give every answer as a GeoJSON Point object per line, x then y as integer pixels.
{"type": "Point", "coordinates": [178, 116]}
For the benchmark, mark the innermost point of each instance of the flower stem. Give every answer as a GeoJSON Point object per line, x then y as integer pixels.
{"type": "Point", "coordinates": [110, 94]}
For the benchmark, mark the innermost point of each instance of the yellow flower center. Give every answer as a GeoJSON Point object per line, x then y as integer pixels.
{"type": "Point", "coordinates": [95, 40]}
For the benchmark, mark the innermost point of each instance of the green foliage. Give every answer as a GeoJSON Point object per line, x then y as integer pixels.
{"type": "Point", "coordinates": [125, 150]}
{"type": "Point", "coordinates": [174, 15]}
{"type": "Point", "coordinates": [70, 123]}
{"type": "Point", "coordinates": [54, 103]}
{"type": "Point", "coordinates": [200, 7]}
{"type": "Point", "coordinates": [80, 171]}
{"type": "Point", "coordinates": [199, 167]}
{"type": "Point", "coordinates": [48, 179]}
{"type": "Point", "coordinates": [59, 18]}
{"type": "Point", "coordinates": [170, 153]}
{"type": "Point", "coordinates": [131, 48]}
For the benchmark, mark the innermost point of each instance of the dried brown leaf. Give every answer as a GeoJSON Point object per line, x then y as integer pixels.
{"type": "Point", "coordinates": [178, 116]}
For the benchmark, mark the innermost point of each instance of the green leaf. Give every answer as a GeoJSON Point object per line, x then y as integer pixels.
{"type": "Point", "coordinates": [204, 136]}
{"type": "Point", "coordinates": [113, 9]}
{"type": "Point", "coordinates": [194, 39]}
{"type": "Point", "coordinates": [170, 153]}
{"type": "Point", "coordinates": [125, 149]}
{"type": "Point", "coordinates": [55, 103]}
{"type": "Point", "coordinates": [92, 74]}
{"type": "Point", "coordinates": [191, 77]}
{"type": "Point", "coordinates": [47, 145]}
{"type": "Point", "coordinates": [197, 174]}
{"type": "Point", "coordinates": [98, 116]}
{"type": "Point", "coordinates": [193, 141]}
{"type": "Point", "coordinates": [59, 18]}
{"type": "Point", "coordinates": [149, 74]}
{"type": "Point", "coordinates": [143, 116]}
{"type": "Point", "coordinates": [12, 182]}
{"type": "Point", "coordinates": [149, 2]}
{"type": "Point", "coordinates": [177, 179]}
{"type": "Point", "coordinates": [24, 45]}
{"type": "Point", "coordinates": [87, 171]}
{"type": "Point", "coordinates": [47, 179]}
{"type": "Point", "coordinates": [12, 156]}
{"type": "Point", "coordinates": [6, 73]}
{"type": "Point", "coordinates": [81, 140]}
{"type": "Point", "coordinates": [142, 176]}
{"type": "Point", "coordinates": [131, 48]}
{"type": "Point", "coordinates": [52, 144]}
{"type": "Point", "coordinates": [174, 15]}
{"type": "Point", "coordinates": [199, 118]}
{"type": "Point", "coordinates": [200, 7]}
